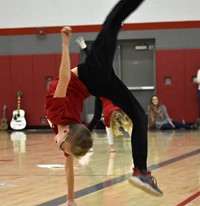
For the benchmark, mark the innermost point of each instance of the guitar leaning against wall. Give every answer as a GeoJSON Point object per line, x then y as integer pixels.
{"type": "Point", "coordinates": [4, 123]}
{"type": "Point", "coordinates": [18, 121]}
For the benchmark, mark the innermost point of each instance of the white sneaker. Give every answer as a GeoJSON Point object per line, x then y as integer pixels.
{"type": "Point", "coordinates": [81, 42]}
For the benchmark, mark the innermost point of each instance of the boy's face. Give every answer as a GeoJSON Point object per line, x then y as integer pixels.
{"type": "Point", "coordinates": [61, 141]}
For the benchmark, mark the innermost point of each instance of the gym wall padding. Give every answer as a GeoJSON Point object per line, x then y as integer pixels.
{"type": "Point", "coordinates": [180, 96]}
{"type": "Point", "coordinates": [28, 73]}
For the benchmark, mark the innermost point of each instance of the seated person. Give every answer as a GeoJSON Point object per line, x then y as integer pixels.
{"type": "Point", "coordinates": [159, 118]}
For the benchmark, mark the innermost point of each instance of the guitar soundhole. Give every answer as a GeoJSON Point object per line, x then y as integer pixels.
{"type": "Point", "coordinates": [16, 116]}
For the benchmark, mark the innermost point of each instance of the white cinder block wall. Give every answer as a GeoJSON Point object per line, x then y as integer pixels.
{"type": "Point", "coordinates": [36, 13]}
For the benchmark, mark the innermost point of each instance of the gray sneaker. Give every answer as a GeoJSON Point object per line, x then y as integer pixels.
{"type": "Point", "coordinates": [145, 182]}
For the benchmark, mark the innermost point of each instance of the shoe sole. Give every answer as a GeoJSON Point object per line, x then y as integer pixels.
{"type": "Point", "coordinates": [144, 186]}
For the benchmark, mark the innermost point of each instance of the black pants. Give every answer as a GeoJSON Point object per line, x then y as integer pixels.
{"type": "Point", "coordinates": [98, 75]}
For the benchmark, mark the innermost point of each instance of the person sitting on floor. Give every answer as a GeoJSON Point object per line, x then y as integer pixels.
{"type": "Point", "coordinates": [159, 118]}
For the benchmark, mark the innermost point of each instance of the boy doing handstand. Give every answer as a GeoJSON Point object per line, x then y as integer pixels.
{"type": "Point", "coordinates": [96, 76]}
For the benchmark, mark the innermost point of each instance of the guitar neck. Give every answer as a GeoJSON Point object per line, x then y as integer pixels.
{"type": "Point", "coordinates": [18, 104]}
{"type": "Point", "coordinates": [4, 112]}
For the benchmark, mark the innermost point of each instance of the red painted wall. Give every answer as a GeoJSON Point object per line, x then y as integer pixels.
{"type": "Point", "coordinates": [192, 64]}
{"type": "Point", "coordinates": [5, 88]}
{"type": "Point", "coordinates": [180, 96]}
{"type": "Point", "coordinates": [29, 74]}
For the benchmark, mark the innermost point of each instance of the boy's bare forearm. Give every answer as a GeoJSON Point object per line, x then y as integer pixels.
{"type": "Point", "coordinates": [65, 65]}
{"type": "Point", "coordinates": [69, 170]}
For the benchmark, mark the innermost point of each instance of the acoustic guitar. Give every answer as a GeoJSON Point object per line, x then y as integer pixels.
{"type": "Point", "coordinates": [18, 121]}
{"type": "Point", "coordinates": [4, 123]}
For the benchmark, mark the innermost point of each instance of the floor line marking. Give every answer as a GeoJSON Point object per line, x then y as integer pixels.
{"type": "Point", "coordinates": [189, 199]}
{"type": "Point", "coordinates": [108, 183]}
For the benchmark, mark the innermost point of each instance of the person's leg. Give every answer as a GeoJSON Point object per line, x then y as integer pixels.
{"type": "Point", "coordinates": [100, 59]}
{"type": "Point", "coordinates": [181, 125]}
{"type": "Point", "coordinates": [97, 72]}
{"type": "Point", "coordinates": [105, 45]}
{"type": "Point", "coordinates": [98, 108]}
{"type": "Point", "coordinates": [166, 126]}
{"type": "Point", "coordinates": [110, 139]}
{"type": "Point", "coordinates": [123, 98]}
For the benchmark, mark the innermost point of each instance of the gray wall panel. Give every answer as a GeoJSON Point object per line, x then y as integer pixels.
{"type": "Point", "coordinates": [165, 39]}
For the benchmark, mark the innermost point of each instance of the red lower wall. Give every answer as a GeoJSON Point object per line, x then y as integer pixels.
{"type": "Point", "coordinates": [30, 74]}
{"type": "Point", "coordinates": [180, 96]}
{"type": "Point", "coordinates": [192, 63]}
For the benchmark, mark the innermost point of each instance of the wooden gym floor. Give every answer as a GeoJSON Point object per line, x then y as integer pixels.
{"type": "Point", "coordinates": [32, 173]}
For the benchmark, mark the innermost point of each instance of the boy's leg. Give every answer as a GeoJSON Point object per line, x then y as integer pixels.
{"type": "Point", "coordinates": [120, 95]}
{"type": "Point", "coordinates": [123, 98]}
{"type": "Point", "coordinates": [105, 45]}
{"type": "Point", "coordinates": [97, 74]}
{"type": "Point", "coordinates": [97, 71]}
{"type": "Point", "coordinates": [99, 67]}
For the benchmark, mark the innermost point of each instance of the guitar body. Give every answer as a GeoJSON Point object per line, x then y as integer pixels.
{"type": "Point", "coordinates": [4, 123]}
{"type": "Point", "coordinates": [18, 121]}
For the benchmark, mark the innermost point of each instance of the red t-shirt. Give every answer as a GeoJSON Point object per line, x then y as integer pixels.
{"type": "Point", "coordinates": [108, 108]}
{"type": "Point", "coordinates": [66, 110]}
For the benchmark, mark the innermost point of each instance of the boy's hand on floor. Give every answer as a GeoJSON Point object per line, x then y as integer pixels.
{"type": "Point", "coordinates": [71, 203]}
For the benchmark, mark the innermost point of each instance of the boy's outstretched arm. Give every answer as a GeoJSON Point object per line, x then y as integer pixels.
{"type": "Point", "coordinates": [65, 66]}
{"type": "Point", "coordinates": [69, 170]}
{"type": "Point", "coordinates": [61, 89]}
